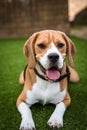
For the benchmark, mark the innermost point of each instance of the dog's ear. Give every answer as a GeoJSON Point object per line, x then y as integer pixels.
{"type": "Point", "coordinates": [70, 50]}
{"type": "Point", "coordinates": [29, 50]}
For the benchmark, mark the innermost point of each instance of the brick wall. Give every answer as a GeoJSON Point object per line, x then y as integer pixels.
{"type": "Point", "coordinates": [20, 18]}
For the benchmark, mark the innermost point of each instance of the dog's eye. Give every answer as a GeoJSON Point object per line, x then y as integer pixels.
{"type": "Point", "coordinates": [60, 45]}
{"type": "Point", "coordinates": [42, 46]}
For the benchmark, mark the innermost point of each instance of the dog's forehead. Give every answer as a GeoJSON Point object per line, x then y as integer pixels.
{"type": "Point", "coordinates": [50, 36]}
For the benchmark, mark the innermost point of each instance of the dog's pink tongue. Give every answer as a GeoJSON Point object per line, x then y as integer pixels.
{"type": "Point", "coordinates": [53, 74]}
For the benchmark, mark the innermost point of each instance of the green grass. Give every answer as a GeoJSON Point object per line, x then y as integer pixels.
{"type": "Point", "coordinates": [12, 62]}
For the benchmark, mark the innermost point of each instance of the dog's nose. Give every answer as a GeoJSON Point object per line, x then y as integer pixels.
{"type": "Point", "coordinates": [53, 57]}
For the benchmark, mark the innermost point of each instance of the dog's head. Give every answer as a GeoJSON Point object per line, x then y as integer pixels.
{"type": "Point", "coordinates": [48, 49]}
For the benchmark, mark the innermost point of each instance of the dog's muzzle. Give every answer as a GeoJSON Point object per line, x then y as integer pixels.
{"type": "Point", "coordinates": [52, 73]}
{"type": "Point", "coordinates": [53, 57]}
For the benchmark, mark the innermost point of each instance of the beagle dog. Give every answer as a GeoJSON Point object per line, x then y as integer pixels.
{"type": "Point", "coordinates": [46, 76]}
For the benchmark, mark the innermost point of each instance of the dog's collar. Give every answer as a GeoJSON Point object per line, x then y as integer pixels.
{"type": "Point", "coordinates": [67, 74]}
{"type": "Point", "coordinates": [58, 80]}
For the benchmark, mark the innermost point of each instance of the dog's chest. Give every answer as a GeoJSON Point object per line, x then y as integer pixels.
{"type": "Point", "coordinates": [45, 92]}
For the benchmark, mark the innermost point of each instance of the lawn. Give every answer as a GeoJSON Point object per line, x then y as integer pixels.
{"type": "Point", "coordinates": [12, 62]}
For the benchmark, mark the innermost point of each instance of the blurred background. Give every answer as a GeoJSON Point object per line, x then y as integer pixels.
{"type": "Point", "coordinates": [20, 18]}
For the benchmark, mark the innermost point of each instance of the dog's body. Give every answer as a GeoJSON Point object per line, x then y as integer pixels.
{"type": "Point", "coordinates": [46, 76]}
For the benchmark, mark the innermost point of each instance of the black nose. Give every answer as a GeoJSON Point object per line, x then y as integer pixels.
{"type": "Point", "coordinates": [53, 57]}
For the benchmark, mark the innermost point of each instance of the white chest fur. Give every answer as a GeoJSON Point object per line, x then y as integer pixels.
{"type": "Point", "coordinates": [45, 92]}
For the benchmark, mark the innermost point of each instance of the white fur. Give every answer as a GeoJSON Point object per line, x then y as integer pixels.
{"type": "Point", "coordinates": [45, 61]}
{"type": "Point", "coordinates": [45, 92]}
{"type": "Point", "coordinates": [27, 120]}
{"type": "Point", "coordinates": [56, 119]}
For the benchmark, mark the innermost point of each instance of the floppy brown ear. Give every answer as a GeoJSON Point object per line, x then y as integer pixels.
{"type": "Point", "coordinates": [71, 50]}
{"type": "Point", "coordinates": [29, 50]}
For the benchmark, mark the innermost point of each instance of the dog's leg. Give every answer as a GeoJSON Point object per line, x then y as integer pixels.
{"type": "Point", "coordinates": [27, 122]}
{"type": "Point", "coordinates": [21, 78]}
{"type": "Point", "coordinates": [74, 77]}
{"type": "Point", "coordinates": [56, 119]}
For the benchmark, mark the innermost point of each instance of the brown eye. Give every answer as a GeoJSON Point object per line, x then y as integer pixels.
{"type": "Point", "coordinates": [60, 45]}
{"type": "Point", "coordinates": [42, 46]}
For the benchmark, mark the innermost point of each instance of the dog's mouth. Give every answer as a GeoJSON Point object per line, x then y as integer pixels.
{"type": "Point", "coordinates": [53, 73]}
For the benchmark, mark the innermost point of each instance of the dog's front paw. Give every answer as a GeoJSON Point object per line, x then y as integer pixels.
{"type": "Point", "coordinates": [27, 124]}
{"type": "Point", "coordinates": [55, 122]}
